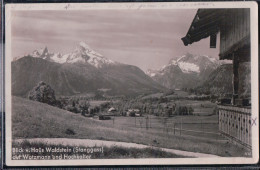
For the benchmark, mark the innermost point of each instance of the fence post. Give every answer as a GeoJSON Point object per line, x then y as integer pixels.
{"type": "Point", "coordinates": [146, 123]}
{"type": "Point", "coordinates": [167, 131]}
{"type": "Point", "coordinates": [113, 120]}
{"type": "Point", "coordinates": [150, 119]}
{"type": "Point", "coordinates": [165, 124]}
{"type": "Point", "coordinates": [181, 126]}
{"type": "Point", "coordinates": [174, 128]}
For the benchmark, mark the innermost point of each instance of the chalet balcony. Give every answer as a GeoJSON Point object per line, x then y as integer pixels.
{"type": "Point", "coordinates": [235, 123]}
{"type": "Point", "coordinates": [234, 28]}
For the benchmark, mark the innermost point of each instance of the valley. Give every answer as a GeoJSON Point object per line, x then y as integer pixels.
{"type": "Point", "coordinates": [51, 122]}
{"type": "Point", "coordinates": [84, 95]}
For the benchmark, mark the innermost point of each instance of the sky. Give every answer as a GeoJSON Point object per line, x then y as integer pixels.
{"type": "Point", "coordinates": [147, 38]}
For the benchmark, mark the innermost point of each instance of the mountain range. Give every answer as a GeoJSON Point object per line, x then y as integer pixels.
{"type": "Point", "coordinates": [185, 72]}
{"type": "Point", "coordinates": [219, 81]}
{"type": "Point", "coordinates": [82, 54]}
{"type": "Point", "coordinates": [202, 75]}
{"type": "Point", "coordinates": [85, 71]}
{"type": "Point", "coordinates": [79, 72]}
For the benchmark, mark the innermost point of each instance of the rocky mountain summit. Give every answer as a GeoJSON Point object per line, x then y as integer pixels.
{"type": "Point", "coordinates": [82, 54]}
{"type": "Point", "coordinates": [187, 71]}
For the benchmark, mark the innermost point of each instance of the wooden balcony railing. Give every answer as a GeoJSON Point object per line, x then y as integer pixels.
{"type": "Point", "coordinates": [235, 123]}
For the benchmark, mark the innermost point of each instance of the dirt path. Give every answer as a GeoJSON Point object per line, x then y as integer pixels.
{"type": "Point", "coordinates": [92, 143]}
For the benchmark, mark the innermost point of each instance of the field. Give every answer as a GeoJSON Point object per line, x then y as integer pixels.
{"type": "Point", "coordinates": [156, 95]}
{"type": "Point", "coordinates": [37, 120]}
{"type": "Point", "coordinates": [196, 126]}
{"type": "Point", "coordinates": [181, 98]}
{"type": "Point", "coordinates": [97, 102]}
{"type": "Point", "coordinates": [201, 108]}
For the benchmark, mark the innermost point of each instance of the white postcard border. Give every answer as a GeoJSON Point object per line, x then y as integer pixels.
{"type": "Point", "coordinates": [136, 6]}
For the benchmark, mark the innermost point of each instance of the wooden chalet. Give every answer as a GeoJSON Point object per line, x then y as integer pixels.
{"type": "Point", "coordinates": [234, 28]}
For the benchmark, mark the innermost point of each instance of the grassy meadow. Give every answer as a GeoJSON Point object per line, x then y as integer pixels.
{"type": "Point", "coordinates": [37, 120]}
{"type": "Point", "coordinates": [190, 125]}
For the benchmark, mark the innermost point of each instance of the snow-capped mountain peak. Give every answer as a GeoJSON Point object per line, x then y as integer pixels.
{"type": "Point", "coordinates": [85, 48]}
{"type": "Point", "coordinates": [211, 59]}
{"type": "Point", "coordinates": [84, 45]}
{"type": "Point", "coordinates": [180, 58]}
{"type": "Point", "coordinates": [185, 71]}
{"type": "Point", "coordinates": [93, 57]}
{"type": "Point", "coordinates": [82, 54]}
{"type": "Point", "coordinates": [42, 52]}
{"type": "Point", "coordinates": [187, 64]}
{"type": "Point", "coordinates": [188, 67]}
{"type": "Point", "coordinates": [151, 73]}
{"type": "Point", "coordinates": [173, 62]}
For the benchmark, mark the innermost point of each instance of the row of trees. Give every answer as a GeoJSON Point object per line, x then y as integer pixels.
{"type": "Point", "coordinates": [83, 106]}
{"type": "Point", "coordinates": [157, 109]}
{"type": "Point", "coordinates": [45, 94]}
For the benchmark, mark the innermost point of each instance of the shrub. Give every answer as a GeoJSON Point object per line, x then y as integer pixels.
{"type": "Point", "coordinates": [163, 100]}
{"type": "Point", "coordinates": [132, 114]}
{"type": "Point", "coordinates": [70, 132]}
{"type": "Point", "coordinates": [184, 110]}
{"type": "Point", "coordinates": [104, 106]}
{"type": "Point", "coordinates": [43, 93]}
{"type": "Point", "coordinates": [102, 117]}
{"type": "Point", "coordinates": [71, 109]}
{"type": "Point", "coordinates": [190, 110]}
{"type": "Point", "coordinates": [215, 110]}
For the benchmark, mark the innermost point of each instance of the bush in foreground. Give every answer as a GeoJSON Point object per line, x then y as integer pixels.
{"type": "Point", "coordinates": [43, 93]}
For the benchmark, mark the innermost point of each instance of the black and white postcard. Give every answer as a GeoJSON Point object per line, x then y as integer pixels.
{"type": "Point", "coordinates": [131, 83]}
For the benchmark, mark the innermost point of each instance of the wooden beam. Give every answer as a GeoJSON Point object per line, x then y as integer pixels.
{"type": "Point", "coordinates": [213, 41]}
{"type": "Point", "coordinates": [235, 78]}
{"type": "Point", "coordinates": [200, 35]}
{"type": "Point", "coordinates": [204, 28]}
{"type": "Point", "coordinates": [242, 47]}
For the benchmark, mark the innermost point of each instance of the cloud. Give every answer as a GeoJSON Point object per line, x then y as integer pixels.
{"type": "Point", "coordinates": [146, 38]}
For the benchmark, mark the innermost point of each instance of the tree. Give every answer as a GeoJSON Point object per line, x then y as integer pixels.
{"type": "Point", "coordinates": [104, 106]}
{"type": "Point", "coordinates": [184, 110]}
{"type": "Point", "coordinates": [151, 111]}
{"type": "Point", "coordinates": [83, 106]}
{"type": "Point", "coordinates": [91, 110]}
{"type": "Point", "coordinates": [96, 109]}
{"type": "Point", "coordinates": [169, 112]}
{"type": "Point", "coordinates": [190, 110]}
{"type": "Point", "coordinates": [71, 109]}
{"type": "Point", "coordinates": [73, 104]}
{"type": "Point", "coordinates": [43, 93]}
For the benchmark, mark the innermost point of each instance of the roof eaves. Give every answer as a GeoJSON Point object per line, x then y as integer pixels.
{"type": "Point", "coordinates": [205, 23]}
